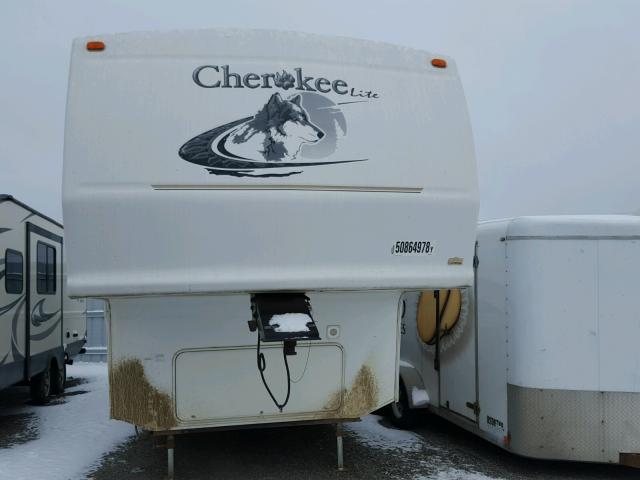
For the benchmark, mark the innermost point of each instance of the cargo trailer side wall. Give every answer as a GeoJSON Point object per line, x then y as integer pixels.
{"type": "Point", "coordinates": [557, 359]}
{"type": "Point", "coordinates": [573, 361]}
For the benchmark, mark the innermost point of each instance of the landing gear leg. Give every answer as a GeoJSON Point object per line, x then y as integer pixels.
{"type": "Point", "coordinates": [339, 445]}
{"type": "Point", "coordinates": [170, 446]}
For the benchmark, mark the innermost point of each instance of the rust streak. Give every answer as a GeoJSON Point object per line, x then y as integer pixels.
{"type": "Point", "coordinates": [134, 400]}
{"type": "Point", "coordinates": [361, 399]}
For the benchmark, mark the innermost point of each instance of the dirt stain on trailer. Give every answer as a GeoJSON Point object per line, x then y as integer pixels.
{"type": "Point", "coordinates": [358, 400]}
{"type": "Point", "coordinates": [134, 400]}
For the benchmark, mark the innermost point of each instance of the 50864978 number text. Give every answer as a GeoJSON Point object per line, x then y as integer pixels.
{"type": "Point", "coordinates": [412, 248]}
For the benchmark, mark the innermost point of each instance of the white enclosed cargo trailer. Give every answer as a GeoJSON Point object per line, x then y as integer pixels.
{"type": "Point", "coordinates": [218, 177]}
{"type": "Point", "coordinates": [551, 369]}
{"type": "Point", "coordinates": [41, 329]}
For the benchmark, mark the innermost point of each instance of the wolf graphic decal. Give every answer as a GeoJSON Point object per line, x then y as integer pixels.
{"type": "Point", "coordinates": [268, 144]}
{"type": "Point", "coordinates": [277, 131]}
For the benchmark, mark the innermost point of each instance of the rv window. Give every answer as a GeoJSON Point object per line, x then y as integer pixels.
{"type": "Point", "coordinates": [51, 270]}
{"type": "Point", "coordinates": [13, 271]}
{"type": "Point", "coordinates": [41, 268]}
{"type": "Point", "coordinates": [46, 269]}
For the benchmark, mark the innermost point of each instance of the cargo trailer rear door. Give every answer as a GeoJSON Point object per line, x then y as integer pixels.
{"type": "Point", "coordinates": [458, 357]}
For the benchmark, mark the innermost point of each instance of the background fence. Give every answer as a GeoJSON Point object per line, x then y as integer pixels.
{"type": "Point", "coordinates": [96, 333]}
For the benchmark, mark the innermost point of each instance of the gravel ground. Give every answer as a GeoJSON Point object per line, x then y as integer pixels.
{"type": "Point", "coordinates": [373, 449]}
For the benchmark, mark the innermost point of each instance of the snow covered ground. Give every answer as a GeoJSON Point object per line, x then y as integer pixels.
{"type": "Point", "coordinates": [372, 433]}
{"type": "Point", "coordinates": [69, 437]}
{"type": "Point", "coordinates": [74, 431]}
{"type": "Point", "coordinates": [72, 436]}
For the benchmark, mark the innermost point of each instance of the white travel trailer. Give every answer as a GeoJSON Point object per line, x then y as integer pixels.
{"type": "Point", "coordinates": [41, 330]}
{"type": "Point", "coordinates": [549, 368]}
{"type": "Point", "coordinates": [296, 182]}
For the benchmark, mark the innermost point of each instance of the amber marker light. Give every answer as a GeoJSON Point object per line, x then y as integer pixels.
{"type": "Point", "coordinates": [95, 46]}
{"type": "Point", "coordinates": [439, 63]}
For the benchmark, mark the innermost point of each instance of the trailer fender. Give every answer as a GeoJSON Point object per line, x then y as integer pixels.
{"type": "Point", "coordinates": [409, 378]}
{"type": "Point", "coordinates": [59, 358]}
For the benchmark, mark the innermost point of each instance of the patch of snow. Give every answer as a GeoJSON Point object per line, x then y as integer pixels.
{"type": "Point", "coordinates": [290, 322]}
{"type": "Point", "coordinates": [371, 433]}
{"type": "Point", "coordinates": [414, 449]}
{"type": "Point", "coordinates": [74, 435]}
{"type": "Point", "coordinates": [419, 397]}
{"type": "Point", "coordinates": [404, 363]}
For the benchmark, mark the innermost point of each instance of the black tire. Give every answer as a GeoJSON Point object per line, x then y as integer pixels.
{"type": "Point", "coordinates": [400, 414]}
{"type": "Point", "coordinates": [40, 386]}
{"type": "Point", "coordinates": [58, 377]}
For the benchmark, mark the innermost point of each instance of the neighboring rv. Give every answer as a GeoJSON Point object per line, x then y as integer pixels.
{"type": "Point", "coordinates": [41, 330]}
{"type": "Point", "coordinates": [260, 202]}
{"type": "Point", "coordinates": [74, 336]}
{"type": "Point", "coordinates": [550, 367]}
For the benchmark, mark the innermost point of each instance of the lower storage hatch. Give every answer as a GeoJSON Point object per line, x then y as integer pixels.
{"type": "Point", "coordinates": [224, 383]}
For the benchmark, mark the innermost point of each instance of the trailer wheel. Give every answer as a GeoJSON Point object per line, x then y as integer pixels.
{"type": "Point", "coordinates": [401, 415]}
{"type": "Point", "coordinates": [40, 386]}
{"type": "Point", "coordinates": [58, 377]}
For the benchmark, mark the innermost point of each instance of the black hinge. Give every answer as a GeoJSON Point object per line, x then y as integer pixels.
{"type": "Point", "coordinates": [476, 261]}
{"type": "Point", "coordinates": [475, 407]}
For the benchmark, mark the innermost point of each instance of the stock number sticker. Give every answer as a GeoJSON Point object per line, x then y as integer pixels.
{"type": "Point", "coordinates": [412, 248]}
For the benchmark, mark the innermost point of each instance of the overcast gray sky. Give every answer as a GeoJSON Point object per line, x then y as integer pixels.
{"type": "Point", "coordinates": [551, 85]}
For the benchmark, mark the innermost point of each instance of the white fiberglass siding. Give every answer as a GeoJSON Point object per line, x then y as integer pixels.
{"type": "Point", "coordinates": [567, 287]}
{"type": "Point", "coordinates": [394, 164]}
{"type": "Point", "coordinates": [572, 314]}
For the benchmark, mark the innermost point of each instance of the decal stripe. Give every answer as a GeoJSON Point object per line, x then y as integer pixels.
{"type": "Point", "coordinates": [249, 173]}
{"type": "Point", "coordinates": [27, 217]}
{"type": "Point", "coordinates": [38, 316]}
{"type": "Point", "coordinates": [198, 150]}
{"type": "Point", "coordinates": [6, 308]}
{"type": "Point", "coordinates": [223, 149]}
{"type": "Point", "coordinates": [15, 348]}
{"type": "Point", "coordinates": [47, 332]}
{"type": "Point", "coordinates": [2, 230]}
{"type": "Point", "coordinates": [17, 355]}
{"type": "Point", "coordinates": [313, 188]}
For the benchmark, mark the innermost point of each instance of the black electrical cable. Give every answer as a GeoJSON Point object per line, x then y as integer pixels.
{"type": "Point", "coordinates": [446, 301]}
{"type": "Point", "coordinates": [262, 366]}
{"type": "Point", "coordinates": [442, 310]}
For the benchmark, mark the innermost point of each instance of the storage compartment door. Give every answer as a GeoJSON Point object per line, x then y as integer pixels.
{"type": "Point", "coordinates": [225, 383]}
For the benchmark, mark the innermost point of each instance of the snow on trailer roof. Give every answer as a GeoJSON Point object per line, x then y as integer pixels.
{"type": "Point", "coordinates": [571, 227]}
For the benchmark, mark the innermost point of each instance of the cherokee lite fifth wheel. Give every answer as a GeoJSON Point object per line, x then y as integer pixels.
{"type": "Point", "coordinates": [36, 341]}
{"type": "Point", "coordinates": [251, 267]}
{"type": "Point", "coordinates": [548, 367]}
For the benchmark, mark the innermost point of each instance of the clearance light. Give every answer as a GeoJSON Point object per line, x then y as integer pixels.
{"type": "Point", "coordinates": [439, 63]}
{"type": "Point", "coordinates": [95, 46]}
